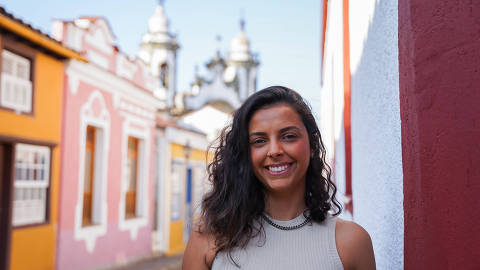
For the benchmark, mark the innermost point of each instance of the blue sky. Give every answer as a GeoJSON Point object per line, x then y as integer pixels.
{"type": "Point", "coordinates": [285, 34]}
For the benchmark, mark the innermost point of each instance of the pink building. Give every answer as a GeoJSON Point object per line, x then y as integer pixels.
{"type": "Point", "coordinates": [106, 193]}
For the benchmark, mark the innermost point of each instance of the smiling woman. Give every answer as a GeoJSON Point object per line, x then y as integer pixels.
{"type": "Point", "coordinates": [272, 204]}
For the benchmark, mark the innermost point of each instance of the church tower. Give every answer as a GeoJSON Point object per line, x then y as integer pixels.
{"type": "Point", "coordinates": [242, 64]}
{"type": "Point", "coordinates": [159, 50]}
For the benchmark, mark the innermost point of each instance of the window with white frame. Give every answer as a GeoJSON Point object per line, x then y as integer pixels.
{"type": "Point", "coordinates": [32, 179]}
{"type": "Point", "coordinates": [177, 194]}
{"type": "Point", "coordinates": [16, 86]}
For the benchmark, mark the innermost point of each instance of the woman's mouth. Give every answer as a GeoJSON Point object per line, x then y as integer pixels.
{"type": "Point", "coordinates": [279, 168]}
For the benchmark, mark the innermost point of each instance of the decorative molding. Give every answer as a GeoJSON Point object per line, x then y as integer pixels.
{"type": "Point", "coordinates": [73, 83]}
{"type": "Point", "coordinates": [133, 127]}
{"type": "Point", "coordinates": [125, 68]}
{"type": "Point", "coordinates": [111, 83]}
{"type": "Point", "coordinates": [98, 59]}
{"type": "Point", "coordinates": [167, 191]}
{"type": "Point", "coordinates": [116, 99]}
{"type": "Point", "coordinates": [74, 36]}
{"type": "Point", "coordinates": [163, 153]}
{"type": "Point", "coordinates": [136, 110]}
{"type": "Point", "coordinates": [101, 120]}
{"type": "Point", "coordinates": [96, 37]}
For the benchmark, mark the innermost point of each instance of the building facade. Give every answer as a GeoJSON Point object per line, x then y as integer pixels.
{"type": "Point", "coordinates": [399, 109]}
{"type": "Point", "coordinates": [106, 195]}
{"type": "Point", "coordinates": [182, 179]}
{"type": "Point", "coordinates": [31, 105]}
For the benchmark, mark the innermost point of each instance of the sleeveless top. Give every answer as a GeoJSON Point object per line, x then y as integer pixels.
{"type": "Point", "coordinates": [309, 247]}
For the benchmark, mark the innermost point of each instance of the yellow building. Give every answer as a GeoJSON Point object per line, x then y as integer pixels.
{"type": "Point", "coordinates": [181, 181]}
{"type": "Point", "coordinates": [31, 86]}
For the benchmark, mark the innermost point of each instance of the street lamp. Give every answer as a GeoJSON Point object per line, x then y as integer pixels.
{"type": "Point", "coordinates": [187, 150]}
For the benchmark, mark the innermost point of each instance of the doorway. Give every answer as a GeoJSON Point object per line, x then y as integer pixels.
{"type": "Point", "coordinates": [188, 226]}
{"type": "Point", "coordinates": [6, 176]}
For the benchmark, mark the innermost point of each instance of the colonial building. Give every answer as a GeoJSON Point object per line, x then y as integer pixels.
{"type": "Point", "coordinates": [181, 182]}
{"type": "Point", "coordinates": [400, 110]}
{"type": "Point", "coordinates": [107, 194]}
{"type": "Point", "coordinates": [31, 106]}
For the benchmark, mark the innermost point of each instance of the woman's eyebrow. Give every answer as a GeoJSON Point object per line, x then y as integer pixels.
{"type": "Point", "coordinates": [257, 134]}
{"type": "Point", "coordinates": [288, 128]}
{"type": "Point", "coordinates": [285, 129]}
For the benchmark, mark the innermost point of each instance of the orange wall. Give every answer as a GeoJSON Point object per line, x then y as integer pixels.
{"type": "Point", "coordinates": [195, 155]}
{"type": "Point", "coordinates": [45, 123]}
{"type": "Point", "coordinates": [176, 244]}
{"type": "Point", "coordinates": [34, 247]}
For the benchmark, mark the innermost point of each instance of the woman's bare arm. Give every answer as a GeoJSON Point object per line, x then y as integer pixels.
{"type": "Point", "coordinates": [199, 253]}
{"type": "Point", "coordinates": [354, 246]}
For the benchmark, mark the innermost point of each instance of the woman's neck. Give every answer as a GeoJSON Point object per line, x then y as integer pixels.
{"type": "Point", "coordinates": [285, 206]}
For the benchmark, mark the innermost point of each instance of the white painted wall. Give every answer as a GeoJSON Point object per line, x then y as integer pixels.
{"type": "Point", "coordinates": [377, 180]}
{"type": "Point", "coordinates": [209, 120]}
{"type": "Point", "coordinates": [332, 98]}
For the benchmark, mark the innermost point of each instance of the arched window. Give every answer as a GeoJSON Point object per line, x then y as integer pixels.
{"type": "Point", "coordinates": [164, 75]}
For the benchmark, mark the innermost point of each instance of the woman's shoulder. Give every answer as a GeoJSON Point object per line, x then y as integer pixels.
{"type": "Point", "coordinates": [200, 250]}
{"type": "Point", "coordinates": [354, 245]}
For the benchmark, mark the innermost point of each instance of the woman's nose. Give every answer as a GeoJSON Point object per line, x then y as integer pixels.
{"type": "Point", "coordinates": [275, 149]}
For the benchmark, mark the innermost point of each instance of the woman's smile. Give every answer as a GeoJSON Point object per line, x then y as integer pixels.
{"type": "Point", "coordinates": [279, 169]}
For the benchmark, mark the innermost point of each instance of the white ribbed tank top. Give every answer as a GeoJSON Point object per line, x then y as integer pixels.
{"type": "Point", "coordinates": [309, 247]}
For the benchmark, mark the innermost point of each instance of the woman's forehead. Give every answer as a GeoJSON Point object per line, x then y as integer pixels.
{"type": "Point", "coordinates": [276, 116]}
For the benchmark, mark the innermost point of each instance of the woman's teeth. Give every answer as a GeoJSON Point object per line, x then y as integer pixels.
{"type": "Point", "coordinates": [278, 168]}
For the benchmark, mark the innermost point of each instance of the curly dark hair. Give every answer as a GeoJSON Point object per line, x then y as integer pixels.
{"type": "Point", "coordinates": [236, 199]}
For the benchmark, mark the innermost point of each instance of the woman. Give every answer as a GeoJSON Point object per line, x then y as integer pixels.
{"type": "Point", "coordinates": [272, 204]}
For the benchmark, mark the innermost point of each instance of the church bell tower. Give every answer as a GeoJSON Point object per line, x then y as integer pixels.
{"type": "Point", "coordinates": [159, 50]}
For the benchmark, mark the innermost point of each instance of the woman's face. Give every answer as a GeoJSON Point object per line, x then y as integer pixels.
{"type": "Point", "coordinates": [279, 148]}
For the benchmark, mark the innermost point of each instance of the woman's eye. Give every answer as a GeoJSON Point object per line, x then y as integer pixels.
{"type": "Point", "coordinates": [257, 141]}
{"type": "Point", "coordinates": [290, 136]}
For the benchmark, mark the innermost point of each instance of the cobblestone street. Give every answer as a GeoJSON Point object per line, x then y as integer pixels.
{"type": "Point", "coordinates": [154, 263]}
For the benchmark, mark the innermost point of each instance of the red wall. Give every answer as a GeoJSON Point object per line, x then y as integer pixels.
{"type": "Point", "coordinates": [439, 63]}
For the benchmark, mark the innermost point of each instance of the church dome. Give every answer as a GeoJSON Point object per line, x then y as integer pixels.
{"type": "Point", "coordinates": [158, 22]}
{"type": "Point", "coordinates": [240, 46]}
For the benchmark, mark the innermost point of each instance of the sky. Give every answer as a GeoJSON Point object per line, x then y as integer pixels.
{"type": "Point", "coordinates": [284, 34]}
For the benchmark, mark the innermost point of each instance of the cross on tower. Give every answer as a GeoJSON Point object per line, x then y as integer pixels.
{"type": "Point", "coordinates": [242, 19]}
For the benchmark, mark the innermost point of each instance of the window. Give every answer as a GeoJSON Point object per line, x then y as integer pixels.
{"type": "Point", "coordinates": [132, 173]}
{"type": "Point", "coordinates": [32, 179]}
{"type": "Point", "coordinates": [164, 75]}
{"type": "Point", "coordinates": [16, 86]}
{"type": "Point", "coordinates": [88, 176]}
{"type": "Point", "coordinates": [177, 176]}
